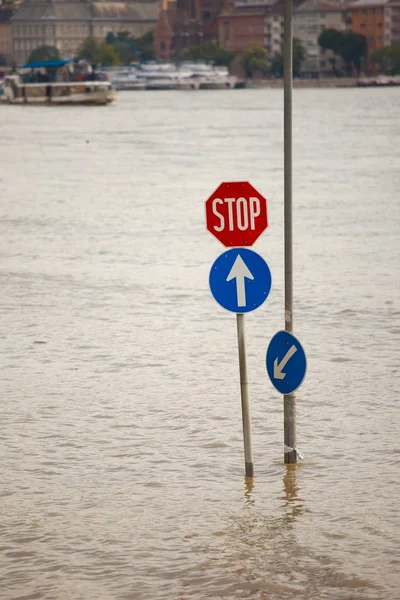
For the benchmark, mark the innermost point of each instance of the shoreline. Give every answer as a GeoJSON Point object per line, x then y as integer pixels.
{"type": "Point", "coordinates": [328, 82]}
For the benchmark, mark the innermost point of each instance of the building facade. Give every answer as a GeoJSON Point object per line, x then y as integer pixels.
{"type": "Point", "coordinates": [252, 23]}
{"type": "Point", "coordinates": [6, 46]}
{"type": "Point", "coordinates": [368, 18]}
{"type": "Point", "coordinates": [309, 20]}
{"type": "Point", "coordinates": [65, 25]}
{"type": "Point", "coordinates": [185, 23]}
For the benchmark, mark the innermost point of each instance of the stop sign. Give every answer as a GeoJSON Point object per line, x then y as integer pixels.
{"type": "Point", "coordinates": [236, 214]}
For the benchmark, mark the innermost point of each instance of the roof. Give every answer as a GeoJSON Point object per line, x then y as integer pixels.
{"type": "Point", "coordinates": [129, 11]}
{"type": "Point", "coordinates": [45, 63]}
{"type": "Point", "coordinates": [363, 3]}
{"type": "Point", "coordinates": [40, 11]}
{"type": "Point", "coordinates": [86, 11]}
{"type": "Point", "coordinates": [316, 6]}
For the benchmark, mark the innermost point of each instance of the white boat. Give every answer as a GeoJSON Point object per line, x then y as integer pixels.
{"type": "Point", "coordinates": [167, 77]}
{"type": "Point", "coordinates": [125, 78]}
{"type": "Point", "coordinates": [57, 82]}
{"type": "Point", "coordinates": [210, 77]}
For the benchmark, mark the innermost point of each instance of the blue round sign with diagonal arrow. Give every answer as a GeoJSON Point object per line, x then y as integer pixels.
{"type": "Point", "coordinates": [240, 280]}
{"type": "Point", "coordinates": [286, 362]}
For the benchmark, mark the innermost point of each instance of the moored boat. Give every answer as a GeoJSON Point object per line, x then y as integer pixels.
{"type": "Point", "coordinates": [58, 82]}
{"type": "Point", "coordinates": [167, 77]}
{"type": "Point", "coordinates": [125, 78]}
{"type": "Point", "coordinates": [209, 77]}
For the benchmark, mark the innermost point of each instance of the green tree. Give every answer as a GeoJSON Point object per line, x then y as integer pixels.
{"type": "Point", "coordinates": [209, 52]}
{"type": "Point", "coordinates": [330, 39]}
{"type": "Point", "coordinates": [96, 53]}
{"type": "Point", "coordinates": [298, 56]}
{"type": "Point", "coordinates": [145, 46]}
{"type": "Point", "coordinates": [130, 49]}
{"type": "Point", "coordinates": [387, 59]}
{"type": "Point", "coordinates": [350, 46]}
{"type": "Point", "coordinates": [353, 49]}
{"type": "Point", "coordinates": [89, 50]}
{"type": "Point", "coordinates": [254, 60]}
{"type": "Point", "coordinates": [276, 66]}
{"type": "Point", "coordinates": [107, 55]}
{"type": "Point", "coordinates": [44, 53]}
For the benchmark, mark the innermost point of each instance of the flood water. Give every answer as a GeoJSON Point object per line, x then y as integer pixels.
{"type": "Point", "coordinates": [122, 469]}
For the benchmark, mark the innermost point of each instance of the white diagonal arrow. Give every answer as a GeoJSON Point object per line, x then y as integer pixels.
{"type": "Point", "coordinates": [279, 366]}
{"type": "Point", "coordinates": [239, 271]}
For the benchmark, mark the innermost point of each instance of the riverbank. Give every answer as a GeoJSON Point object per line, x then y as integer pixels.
{"type": "Point", "coordinates": [333, 82]}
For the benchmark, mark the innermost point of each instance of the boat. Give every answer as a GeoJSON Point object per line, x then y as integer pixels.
{"type": "Point", "coordinates": [167, 77]}
{"type": "Point", "coordinates": [209, 77]}
{"type": "Point", "coordinates": [125, 78]}
{"type": "Point", "coordinates": [58, 82]}
{"type": "Point", "coordinates": [379, 81]}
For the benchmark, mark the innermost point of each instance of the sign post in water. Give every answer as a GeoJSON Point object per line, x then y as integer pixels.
{"type": "Point", "coordinates": [240, 279]}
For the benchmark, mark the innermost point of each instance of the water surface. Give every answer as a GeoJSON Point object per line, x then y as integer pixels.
{"type": "Point", "coordinates": [120, 436]}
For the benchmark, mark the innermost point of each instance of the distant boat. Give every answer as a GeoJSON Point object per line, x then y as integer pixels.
{"type": "Point", "coordinates": [379, 81]}
{"type": "Point", "coordinates": [58, 82]}
{"type": "Point", "coordinates": [167, 77]}
{"type": "Point", "coordinates": [125, 78]}
{"type": "Point", "coordinates": [209, 77]}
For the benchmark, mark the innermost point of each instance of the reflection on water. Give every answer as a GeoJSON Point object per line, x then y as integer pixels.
{"type": "Point", "coordinates": [259, 556]}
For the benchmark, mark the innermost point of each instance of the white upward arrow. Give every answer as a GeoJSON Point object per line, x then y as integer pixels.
{"type": "Point", "coordinates": [279, 366]}
{"type": "Point", "coordinates": [239, 271]}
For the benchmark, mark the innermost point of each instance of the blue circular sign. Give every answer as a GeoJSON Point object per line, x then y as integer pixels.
{"type": "Point", "coordinates": [240, 280]}
{"type": "Point", "coordinates": [286, 362]}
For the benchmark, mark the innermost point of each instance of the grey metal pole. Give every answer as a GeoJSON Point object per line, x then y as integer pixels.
{"type": "Point", "coordinates": [289, 400]}
{"type": "Point", "coordinates": [244, 392]}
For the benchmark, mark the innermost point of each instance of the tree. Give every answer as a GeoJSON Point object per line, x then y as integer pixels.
{"type": "Point", "coordinates": [96, 53]}
{"type": "Point", "coordinates": [276, 67]}
{"type": "Point", "coordinates": [298, 56]}
{"type": "Point", "coordinates": [329, 39]}
{"type": "Point", "coordinates": [208, 52]}
{"type": "Point", "coordinates": [254, 60]}
{"type": "Point", "coordinates": [107, 56]}
{"type": "Point", "coordinates": [352, 49]}
{"type": "Point", "coordinates": [387, 60]}
{"type": "Point", "coordinates": [350, 46]}
{"type": "Point", "coordinates": [44, 53]}
{"type": "Point", "coordinates": [145, 46]}
{"type": "Point", "coordinates": [130, 49]}
{"type": "Point", "coordinates": [89, 50]}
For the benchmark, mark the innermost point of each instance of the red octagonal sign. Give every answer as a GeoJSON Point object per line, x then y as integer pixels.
{"type": "Point", "coordinates": [236, 214]}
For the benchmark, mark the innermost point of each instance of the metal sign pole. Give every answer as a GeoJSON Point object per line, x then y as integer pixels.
{"type": "Point", "coordinates": [244, 392]}
{"type": "Point", "coordinates": [289, 400]}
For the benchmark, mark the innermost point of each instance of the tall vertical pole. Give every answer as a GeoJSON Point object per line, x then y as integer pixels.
{"type": "Point", "coordinates": [289, 400]}
{"type": "Point", "coordinates": [244, 392]}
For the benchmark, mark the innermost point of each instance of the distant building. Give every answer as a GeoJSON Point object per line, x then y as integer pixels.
{"type": "Point", "coordinates": [259, 23]}
{"type": "Point", "coordinates": [66, 25]}
{"type": "Point", "coordinates": [6, 46]}
{"type": "Point", "coordinates": [378, 20]}
{"type": "Point", "coordinates": [309, 20]}
{"type": "Point", "coordinates": [185, 23]}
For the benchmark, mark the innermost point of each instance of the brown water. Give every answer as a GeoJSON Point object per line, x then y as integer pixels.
{"type": "Point", "coordinates": [120, 433]}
